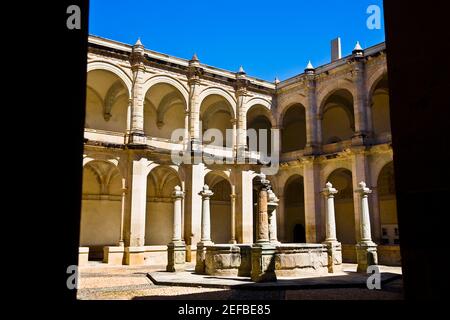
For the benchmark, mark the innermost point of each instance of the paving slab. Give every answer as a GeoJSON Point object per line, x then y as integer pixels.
{"type": "Point", "coordinates": [345, 279]}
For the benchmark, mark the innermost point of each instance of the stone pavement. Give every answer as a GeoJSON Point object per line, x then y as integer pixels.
{"type": "Point", "coordinates": [99, 282]}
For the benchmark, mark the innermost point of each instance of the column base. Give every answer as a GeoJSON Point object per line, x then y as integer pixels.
{"type": "Point", "coordinates": [334, 250]}
{"type": "Point", "coordinates": [134, 256]}
{"type": "Point", "coordinates": [137, 138]}
{"type": "Point", "coordinates": [366, 255]}
{"type": "Point", "coordinates": [176, 256]}
{"type": "Point", "coordinates": [113, 255]}
{"type": "Point", "coordinates": [83, 256]}
{"type": "Point", "coordinates": [201, 256]}
{"type": "Point", "coordinates": [263, 262]}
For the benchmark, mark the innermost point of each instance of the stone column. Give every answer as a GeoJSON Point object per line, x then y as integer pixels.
{"type": "Point", "coordinates": [281, 218]}
{"type": "Point", "coordinates": [192, 207]}
{"type": "Point", "coordinates": [241, 94]}
{"type": "Point", "coordinates": [187, 139]}
{"type": "Point", "coordinates": [272, 211]}
{"type": "Point", "coordinates": [233, 214]}
{"type": "Point", "coordinates": [194, 73]}
{"type": "Point", "coordinates": [137, 59]}
{"type": "Point", "coordinates": [312, 141]}
{"type": "Point", "coordinates": [313, 217]}
{"type": "Point", "coordinates": [366, 249]}
{"type": "Point", "coordinates": [333, 246]}
{"type": "Point", "coordinates": [262, 221]}
{"type": "Point", "coordinates": [234, 137]}
{"type": "Point", "coordinates": [263, 252]}
{"type": "Point", "coordinates": [244, 205]}
{"type": "Point", "coordinates": [122, 212]}
{"type": "Point", "coordinates": [176, 250]}
{"type": "Point", "coordinates": [206, 194]}
{"type": "Point", "coordinates": [134, 223]}
{"type": "Point", "coordinates": [360, 172]}
{"type": "Point", "coordinates": [360, 101]}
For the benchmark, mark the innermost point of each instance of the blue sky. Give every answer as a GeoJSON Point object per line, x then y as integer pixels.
{"type": "Point", "coordinates": [269, 38]}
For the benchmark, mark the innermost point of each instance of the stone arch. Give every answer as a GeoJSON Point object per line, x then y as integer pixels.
{"type": "Point", "coordinates": [164, 108]}
{"type": "Point", "coordinates": [220, 92]}
{"type": "Point", "coordinates": [219, 182]}
{"type": "Point", "coordinates": [293, 135]}
{"type": "Point", "coordinates": [294, 209]}
{"type": "Point", "coordinates": [289, 102]}
{"type": "Point", "coordinates": [341, 178]}
{"type": "Point", "coordinates": [328, 89]}
{"type": "Point", "coordinates": [107, 98]}
{"type": "Point", "coordinates": [259, 118]}
{"type": "Point", "coordinates": [119, 72]}
{"type": "Point", "coordinates": [387, 202]}
{"type": "Point", "coordinates": [161, 181]}
{"type": "Point", "coordinates": [375, 77]}
{"type": "Point", "coordinates": [167, 80]}
{"type": "Point", "coordinates": [336, 113]}
{"type": "Point", "coordinates": [101, 206]}
{"type": "Point", "coordinates": [216, 112]}
{"type": "Point", "coordinates": [379, 103]}
{"type": "Point", "coordinates": [258, 101]}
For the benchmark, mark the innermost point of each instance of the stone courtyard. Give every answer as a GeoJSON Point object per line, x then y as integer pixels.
{"type": "Point", "coordinates": [101, 282]}
{"type": "Point", "coordinates": [218, 173]}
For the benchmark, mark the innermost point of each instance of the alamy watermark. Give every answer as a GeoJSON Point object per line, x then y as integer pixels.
{"type": "Point", "coordinates": [374, 280]}
{"type": "Point", "coordinates": [374, 20]}
{"type": "Point", "coordinates": [73, 278]}
{"type": "Point", "coordinates": [210, 148]}
{"type": "Point", "coordinates": [74, 19]}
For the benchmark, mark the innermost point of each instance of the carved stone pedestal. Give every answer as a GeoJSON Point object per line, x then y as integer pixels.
{"type": "Point", "coordinates": [176, 256]}
{"type": "Point", "coordinates": [334, 249]}
{"type": "Point", "coordinates": [201, 257]}
{"type": "Point", "coordinates": [263, 263]}
{"type": "Point", "coordinates": [366, 254]}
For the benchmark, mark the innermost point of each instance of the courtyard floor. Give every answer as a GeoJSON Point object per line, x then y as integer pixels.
{"type": "Point", "coordinates": [99, 282]}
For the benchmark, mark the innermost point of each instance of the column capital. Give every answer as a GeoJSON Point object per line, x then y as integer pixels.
{"type": "Point", "coordinates": [206, 192]}
{"type": "Point", "coordinates": [178, 193]}
{"type": "Point", "coordinates": [262, 181]}
{"type": "Point", "coordinates": [329, 191]}
{"type": "Point", "coordinates": [363, 189]}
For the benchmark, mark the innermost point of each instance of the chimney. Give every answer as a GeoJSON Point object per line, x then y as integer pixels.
{"type": "Point", "coordinates": [336, 49]}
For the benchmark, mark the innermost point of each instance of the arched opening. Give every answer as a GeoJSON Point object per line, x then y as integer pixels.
{"type": "Point", "coordinates": [293, 136]}
{"type": "Point", "coordinates": [258, 120]}
{"type": "Point", "coordinates": [338, 121]}
{"type": "Point", "coordinates": [341, 179]}
{"type": "Point", "coordinates": [381, 119]}
{"type": "Point", "coordinates": [388, 205]}
{"type": "Point", "coordinates": [164, 109]}
{"type": "Point", "coordinates": [220, 207]}
{"type": "Point", "coordinates": [159, 212]}
{"type": "Point", "coordinates": [101, 207]}
{"type": "Point", "coordinates": [216, 113]}
{"type": "Point", "coordinates": [106, 102]}
{"type": "Point", "coordinates": [294, 208]}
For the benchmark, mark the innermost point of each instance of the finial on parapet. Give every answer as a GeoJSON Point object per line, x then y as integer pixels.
{"type": "Point", "coordinates": [358, 50]}
{"type": "Point", "coordinates": [309, 68]}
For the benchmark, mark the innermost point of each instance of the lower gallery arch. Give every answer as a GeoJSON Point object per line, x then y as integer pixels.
{"type": "Point", "coordinates": [220, 207]}
{"type": "Point", "coordinates": [344, 212]}
{"type": "Point", "coordinates": [101, 207]}
{"type": "Point", "coordinates": [388, 205]}
{"type": "Point", "coordinates": [294, 210]}
{"type": "Point", "coordinates": [161, 182]}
